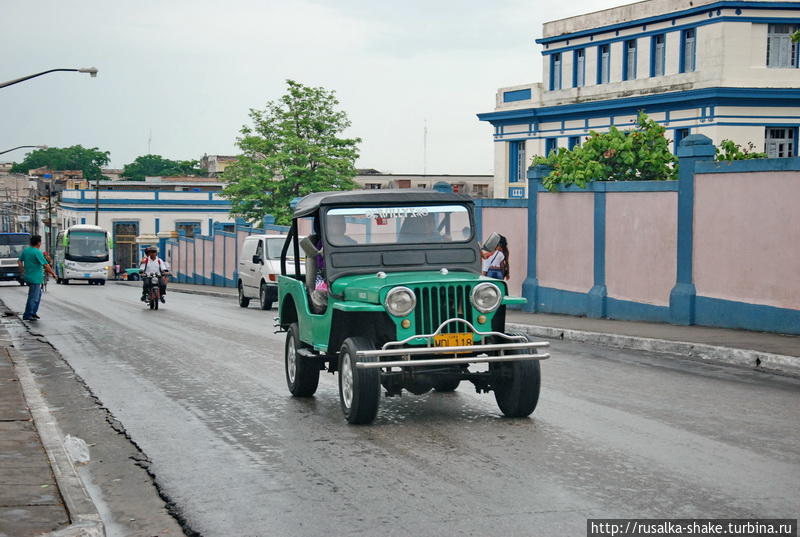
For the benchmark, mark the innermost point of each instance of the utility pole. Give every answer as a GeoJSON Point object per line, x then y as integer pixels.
{"type": "Point", "coordinates": [425, 147]}
{"type": "Point", "coordinates": [97, 201]}
{"type": "Point", "coordinates": [49, 217]}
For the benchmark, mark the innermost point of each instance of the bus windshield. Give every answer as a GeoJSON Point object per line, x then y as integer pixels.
{"type": "Point", "coordinates": [87, 246]}
{"type": "Point", "coordinates": [12, 244]}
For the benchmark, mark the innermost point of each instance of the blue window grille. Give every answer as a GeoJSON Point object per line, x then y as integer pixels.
{"type": "Point", "coordinates": [629, 60]}
{"type": "Point", "coordinates": [550, 145]}
{"type": "Point", "coordinates": [555, 71]}
{"type": "Point", "coordinates": [688, 50]}
{"type": "Point", "coordinates": [658, 55]}
{"type": "Point", "coordinates": [579, 68]}
{"type": "Point", "coordinates": [574, 141]}
{"type": "Point", "coordinates": [603, 64]}
{"type": "Point", "coordinates": [680, 134]}
{"type": "Point", "coordinates": [516, 161]}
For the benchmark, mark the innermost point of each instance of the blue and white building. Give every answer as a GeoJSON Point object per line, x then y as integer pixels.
{"type": "Point", "coordinates": [136, 212]}
{"type": "Point", "coordinates": [724, 68]}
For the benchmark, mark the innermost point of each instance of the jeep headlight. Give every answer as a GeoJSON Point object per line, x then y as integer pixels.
{"type": "Point", "coordinates": [486, 297]}
{"type": "Point", "coordinates": [400, 301]}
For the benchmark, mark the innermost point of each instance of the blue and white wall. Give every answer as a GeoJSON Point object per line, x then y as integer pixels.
{"type": "Point", "coordinates": [726, 88]}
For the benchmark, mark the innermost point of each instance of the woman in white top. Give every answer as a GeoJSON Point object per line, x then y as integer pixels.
{"type": "Point", "coordinates": [496, 263]}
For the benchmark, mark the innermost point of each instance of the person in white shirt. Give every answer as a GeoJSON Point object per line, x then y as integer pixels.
{"type": "Point", "coordinates": [152, 264]}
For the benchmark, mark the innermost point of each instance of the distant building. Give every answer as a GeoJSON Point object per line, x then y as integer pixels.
{"type": "Point", "coordinates": [113, 174]}
{"type": "Point", "coordinates": [216, 164]}
{"type": "Point", "coordinates": [5, 168]}
{"type": "Point", "coordinates": [476, 186]}
{"type": "Point", "coordinates": [723, 68]}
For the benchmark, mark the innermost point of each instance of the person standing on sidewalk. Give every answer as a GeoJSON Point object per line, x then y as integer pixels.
{"type": "Point", "coordinates": [32, 266]}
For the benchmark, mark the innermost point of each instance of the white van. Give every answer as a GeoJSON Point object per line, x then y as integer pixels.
{"type": "Point", "coordinates": [259, 267]}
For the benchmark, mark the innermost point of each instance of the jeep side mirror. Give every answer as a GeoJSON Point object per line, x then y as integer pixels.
{"type": "Point", "coordinates": [256, 259]}
{"type": "Point", "coordinates": [490, 244]}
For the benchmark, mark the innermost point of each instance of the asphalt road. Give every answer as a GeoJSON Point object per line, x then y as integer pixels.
{"type": "Point", "coordinates": [199, 386]}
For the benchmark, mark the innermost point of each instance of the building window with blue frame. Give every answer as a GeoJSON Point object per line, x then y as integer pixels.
{"type": "Point", "coordinates": [555, 71]}
{"type": "Point", "coordinates": [189, 228]}
{"type": "Point", "coordinates": [680, 134]}
{"type": "Point", "coordinates": [516, 161]}
{"type": "Point", "coordinates": [579, 68]}
{"type": "Point", "coordinates": [574, 141]}
{"type": "Point", "coordinates": [688, 50]}
{"type": "Point", "coordinates": [782, 52]}
{"type": "Point", "coordinates": [603, 64]}
{"type": "Point", "coordinates": [658, 55]}
{"type": "Point", "coordinates": [780, 142]}
{"type": "Point", "coordinates": [629, 60]}
{"type": "Point", "coordinates": [550, 145]}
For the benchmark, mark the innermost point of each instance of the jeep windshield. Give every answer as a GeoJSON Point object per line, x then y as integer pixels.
{"type": "Point", "coordinates": [428, 224]}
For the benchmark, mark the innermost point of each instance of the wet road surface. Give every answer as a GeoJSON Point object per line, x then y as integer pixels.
{"type": "Point", "coordinates": [199, 386]}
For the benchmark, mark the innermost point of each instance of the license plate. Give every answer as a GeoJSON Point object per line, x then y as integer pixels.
{"type": "Point", "coordinates": [460, 339]}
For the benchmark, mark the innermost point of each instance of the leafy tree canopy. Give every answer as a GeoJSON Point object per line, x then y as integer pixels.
{"type": "Point", "coordinates": [640, 154]}
{"type": "Point", "coordinates": [77, 157]}
{"type": "Point", "coordinates": [156, 165]}
{"type": "Point", "coordinates": [729, 150]}
{"type": "Point", "coordinates": [294, 147]}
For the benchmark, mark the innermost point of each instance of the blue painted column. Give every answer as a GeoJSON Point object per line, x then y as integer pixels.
{"type": "Point", "coordinates": [596, 306]}
{"type": "Point", "coordinates": [530, 287]}
{"type": "Point", "coordinates": [694, 148]}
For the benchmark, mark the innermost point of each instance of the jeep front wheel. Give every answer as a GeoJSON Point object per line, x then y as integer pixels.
{"type": "Point", "coordinates": [359, 388]}
{"type": "Point", "coordinates": [517, 390]}
{"type": "Point", "coordinates": [302, 374]}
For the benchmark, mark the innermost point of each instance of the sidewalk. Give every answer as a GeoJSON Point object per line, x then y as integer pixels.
{"type": "Point", "coordinates": [30, 503]}
{"type": "Point", "coordinates": [756, 350]}
{"type": "Point", "coordinates": [41, 492]}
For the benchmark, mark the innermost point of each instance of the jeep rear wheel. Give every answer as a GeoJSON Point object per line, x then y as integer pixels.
{"type": "Point", "coordinates": [302, 374]}
{"type": "Point", "coordinates": [359, 389]}
{"type": "Point", "coordinates": [446, 385]}
{"type": "Point", "coordinates": [243, 300]}
{"type": "Point", "coordinates": [517, 393]}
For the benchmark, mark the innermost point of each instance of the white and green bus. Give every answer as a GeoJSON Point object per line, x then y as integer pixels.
{"type": "Point", "coordinates": [83, 252]}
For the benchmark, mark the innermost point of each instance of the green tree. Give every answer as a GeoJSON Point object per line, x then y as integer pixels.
{"type": "Point", "coordinates": [640, 154]}
{"type": "Point", "coordinates": [796, 37]}
{"type": "Point", "coordinates": [76, 157]}
{"type": "Point", "coordinates": [156, 165]}
{"type": "Point", "coordinates": [293, 148]}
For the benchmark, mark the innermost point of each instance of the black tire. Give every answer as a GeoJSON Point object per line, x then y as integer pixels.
{"type": "Point", "coordinates": [134, 278]}
{"type": "Point", "coordinates": [151, 304]}
{"type": "Point", "coordinates": [65, 281]}
{"type": "Point", "coordinates": [102, 282]}
{"type": "Point", "coordinates": [59, 281]}
{"type": "Point", "coordinates": [360, 387]}
{"type": "Point", "coordinates": [263, 301]}
{"type": "Point", "coordinates": [243, 300]}
{"type": "Point", "coordinates": [518, 394]}
{"type": "Point", "coordinates": [446, 385]}
{"type": "Point", "coordinates": [302, 374]}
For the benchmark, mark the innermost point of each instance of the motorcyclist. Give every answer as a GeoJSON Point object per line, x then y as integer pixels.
{"type": "Point", "coordinates": [152, 264]}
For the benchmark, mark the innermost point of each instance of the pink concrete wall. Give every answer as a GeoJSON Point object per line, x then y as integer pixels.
{"type": "Point", "coordinates": [182, 258]}
{"type": "Point", "coordinates": [747, 237]}
{"type": "Point", "coordinates": [208, 247]}
{"type": "Point", "coordinates": [641, 239]}
{"type": "Point", "coordinates": [513, 224]}
{"type": "Point", "coordinates": [565, 241]}
{"type": "Point", "coordinates": [230, 262]}
{"type": "Point", "coordinates": [218, 257]}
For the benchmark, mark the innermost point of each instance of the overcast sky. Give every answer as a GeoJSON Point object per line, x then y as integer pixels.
{"type": "Point", "coordinates": [189, 70]}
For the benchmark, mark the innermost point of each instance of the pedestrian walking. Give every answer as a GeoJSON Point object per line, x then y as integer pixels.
{"type": "Point", "coordinates": [32, 268]}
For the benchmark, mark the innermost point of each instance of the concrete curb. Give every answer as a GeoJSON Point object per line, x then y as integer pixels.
{"type": "Point", "coordinates": [751, 359]}
{"type": "Point", "coordinates": [86, 521]}
{"type": "Point", "coordinates": [171, 289]}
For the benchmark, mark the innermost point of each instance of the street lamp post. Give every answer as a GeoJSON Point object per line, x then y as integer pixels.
{"type": "Point", "coordinates": [91, 70]}
{"type": "Point", "coordinates": [23, 147]}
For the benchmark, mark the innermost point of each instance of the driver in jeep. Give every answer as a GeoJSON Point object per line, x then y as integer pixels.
{"type": "Point", "coordinates": [152, 264]}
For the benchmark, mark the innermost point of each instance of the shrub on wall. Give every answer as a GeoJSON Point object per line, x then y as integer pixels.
{"type": "Point", "coordinates": [729, 150]}
{"type": "Point", "coordinates": [640, 154]}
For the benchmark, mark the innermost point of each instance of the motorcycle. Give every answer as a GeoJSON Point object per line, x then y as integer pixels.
{"type": "Point", "coordinates": [153, 293]}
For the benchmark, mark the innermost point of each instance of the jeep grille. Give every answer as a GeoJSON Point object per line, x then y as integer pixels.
{"type": "Point", "coordinates": [437, 303]}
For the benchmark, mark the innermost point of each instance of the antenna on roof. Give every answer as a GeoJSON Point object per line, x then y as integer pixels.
{"type": "Point", "coordinates": [425, 147]}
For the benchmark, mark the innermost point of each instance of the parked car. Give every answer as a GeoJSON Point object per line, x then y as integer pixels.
{"type": "Point", "coordinates": [259, 267]}
{"type": "Point", "coordinates": [393, 297]}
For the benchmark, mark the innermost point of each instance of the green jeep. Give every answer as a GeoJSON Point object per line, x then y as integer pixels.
{"type": "Point", "coordinates": [392, 295]}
